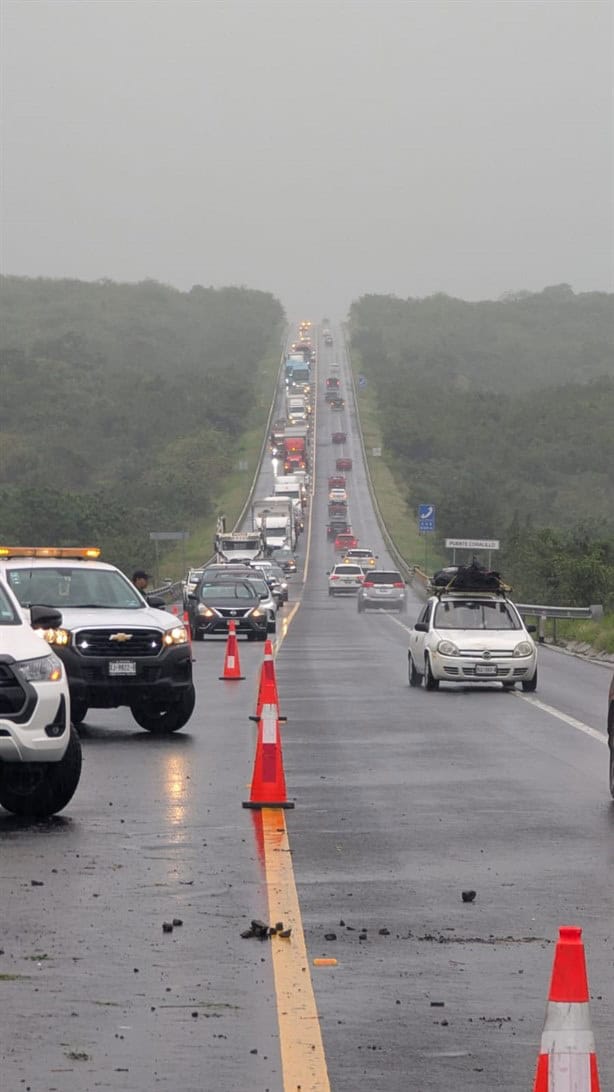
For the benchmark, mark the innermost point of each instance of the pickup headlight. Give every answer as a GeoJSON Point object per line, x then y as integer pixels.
{"type": "Point", "coordinates": [447, 648]}
{"type": "Point", "coordinates": [42, 669]}
{"type": "Point", "coordinates": [59, 637]}
{"type": "Point", "coordinates": [523, 649]}
{"type": "Point", "coordinates": [178, 635]}
{"type": "Point", "coordinates": [206, 611]}
{"type": "Point", "coordinates": [255, 613]}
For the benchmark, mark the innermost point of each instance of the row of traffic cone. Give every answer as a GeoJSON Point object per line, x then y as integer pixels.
{"type": "Point", "coordinates": [268, 789]}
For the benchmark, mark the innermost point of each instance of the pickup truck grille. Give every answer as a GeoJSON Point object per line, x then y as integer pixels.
{"type": "Point", "coordinates": [12, 694]}
{"type": "Point", "coordinates": [104, 642]}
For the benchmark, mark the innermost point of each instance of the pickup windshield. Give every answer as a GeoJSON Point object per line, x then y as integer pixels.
{"type": "Point", "coordinates": [80, 586]}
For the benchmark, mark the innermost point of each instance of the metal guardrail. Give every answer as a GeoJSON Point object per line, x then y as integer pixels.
{"type": "Point", "coordinates": [534, 611]}
{"type": "Point", "coordinates": [267, 433]}
{"type": "Point", "coordinates": [409, 571]}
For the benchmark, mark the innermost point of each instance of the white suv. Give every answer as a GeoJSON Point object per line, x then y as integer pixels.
{"type": "Point", "coordinates": [471, 637]}
{"type": "Point", "coordinates": [40, 753]}
{"type": "Point", "coordinates": [118, 647]}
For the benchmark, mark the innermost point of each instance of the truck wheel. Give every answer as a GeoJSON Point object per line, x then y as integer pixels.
{"type": "Point", "coordinates": [41, 788]}
{"type": "Point", "coordinates": [430, 682]}
{"type": "Point", "coordinates": [529, 685]}
{"type": "Point", "coordinates": [162, 719]}
{"type": "Point", "coordinates": [78, 711]}
{"type": "Point", "coordinates": [414, 677]}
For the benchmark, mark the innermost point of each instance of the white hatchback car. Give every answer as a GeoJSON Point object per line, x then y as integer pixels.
{"type": "Point", "coordinates": [337, 496]}
{"type": "Point", "coordinates": [344, 579]}
{"type": "Point", "coordinates": [471, 637]}
{"type": "Point", "coordinates": [40, 753]}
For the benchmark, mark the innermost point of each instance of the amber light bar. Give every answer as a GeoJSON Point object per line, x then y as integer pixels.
{"type": "Point", "coordinates": [88, 552]}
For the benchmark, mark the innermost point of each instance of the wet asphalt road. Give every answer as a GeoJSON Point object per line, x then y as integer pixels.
{"type": "Point", "coordinates": [403, 799]}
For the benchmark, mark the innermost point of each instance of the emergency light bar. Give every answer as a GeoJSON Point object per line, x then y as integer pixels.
{"type": "Point", "coordinates": [91, 553]}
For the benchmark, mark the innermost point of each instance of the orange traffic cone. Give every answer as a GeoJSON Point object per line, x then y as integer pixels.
{"type": "Point", "coordinates": [567, 1061]}
{"type": "Point", "coordinates": [232, 667]}
{"type": "Point", "coordinates": [267, 684]}
{"type": "Point", "coordinates": [268, 781]}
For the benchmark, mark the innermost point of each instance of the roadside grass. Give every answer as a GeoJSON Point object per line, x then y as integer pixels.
{"type": "Point", "coordinates": [599, 634]}
{"type": "Point", "coordinates": [233, 494]}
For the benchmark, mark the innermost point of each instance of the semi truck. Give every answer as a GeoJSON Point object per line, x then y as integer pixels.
{"type": "Point", "coordinates": [294, 448]}
{"type": "Point", "coordinates": [296, 409]}
{"type": "Point", "coordinates": [269, 509]}
{"type": "Point", "coordinates": [239, 545]}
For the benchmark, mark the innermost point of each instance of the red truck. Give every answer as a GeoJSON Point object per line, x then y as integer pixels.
{"type": "Point", "coordinates": [294, 453]}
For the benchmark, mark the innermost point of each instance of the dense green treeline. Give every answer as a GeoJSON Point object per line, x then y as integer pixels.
{"type": "Point", "coordinates": [122, 405]}
{"type": "Point", "coordinates": [502, 415]}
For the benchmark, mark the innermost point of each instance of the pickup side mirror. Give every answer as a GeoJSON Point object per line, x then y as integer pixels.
{"type": "Point", "coordinates": [155, 601]}
{"type": "Point", "coordinates": [421, 627]}
{"type": "Point", "coordinates": [43, 617]}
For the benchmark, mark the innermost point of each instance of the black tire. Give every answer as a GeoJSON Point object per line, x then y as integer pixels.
{"type": "Point", "coordinates": [529, 685]}
{"type": "Point", "coordinates": [78, 711]}
{"type": "Point", "coordinates": [330, 591]}
{"type": "Point", "coordinates": [430, 682]}
{"type": "Point", "coordinates": [272, 627]}
{"type": "Point", "coordinates": [360, 607]}
{"type": "Point", "coordinates": [262, 636]}
{"type": "Point", "coordinates": [508, 685]}
{"type": "Point", "coordinates": [198, 635]}
{"type": "Point", "coordinates": [414, 676]}
{"type": "Point", "coordinates": [160, 720]}
{"type": "Point", "coordinates": [41, 788]}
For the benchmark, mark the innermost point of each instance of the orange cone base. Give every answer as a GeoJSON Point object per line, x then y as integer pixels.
{"type": "Point", "coordinates": [257, 804]}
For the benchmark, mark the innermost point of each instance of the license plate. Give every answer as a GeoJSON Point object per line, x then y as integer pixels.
{"type": "Point", "coordinates": [122, 667]}
{"type": "Point", "coordinates": [486, 669]}
{"type": "Point", "coordinates": [383, 591]}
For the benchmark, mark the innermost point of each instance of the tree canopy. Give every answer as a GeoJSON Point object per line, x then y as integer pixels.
{"type": "Point", "coordinates": [501, 415]}
{"type": "Point", "coordinates": [121, 405]}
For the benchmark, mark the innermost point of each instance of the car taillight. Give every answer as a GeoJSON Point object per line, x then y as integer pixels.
{"type": "Point", "coordinates": [368, 584]}
{"type": "Point", "coordinates": [334, 576]}
{"type": "Point", "coordinates": [398, 584]}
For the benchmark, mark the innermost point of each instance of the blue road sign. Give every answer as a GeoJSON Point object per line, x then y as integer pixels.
{"type": "Point", "coordinates": [362, 382]}
{"type": "Point", "coordinates": [426, 517]}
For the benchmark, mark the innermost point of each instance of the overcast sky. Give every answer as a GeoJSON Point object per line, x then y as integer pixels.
{"type": "Point", "coordinates": [319, 149]}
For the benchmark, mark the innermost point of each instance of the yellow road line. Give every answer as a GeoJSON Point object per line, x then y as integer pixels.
{"type": "Point", "coordinates": [300, 1036]}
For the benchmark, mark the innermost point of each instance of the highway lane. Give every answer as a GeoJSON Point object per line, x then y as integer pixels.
{"type": "Point", "coordinates": [403, 799]}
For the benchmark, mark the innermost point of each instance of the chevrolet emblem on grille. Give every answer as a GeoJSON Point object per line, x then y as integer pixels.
{"type": "Point", "coordinates": [121, 637]}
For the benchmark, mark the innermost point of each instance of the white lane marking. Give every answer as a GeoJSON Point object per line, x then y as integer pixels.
{"type": "Point", "coordinates": [579, 725]}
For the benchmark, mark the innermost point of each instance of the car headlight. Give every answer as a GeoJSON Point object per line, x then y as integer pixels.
{"type": "Point", "coordinates": [206, 611]}
{"type": "Point", "coordinates": [255, 613]}
{"type": "Point", "coordinates": [42, 669]}
{"type": "Point", "coordinates": [59, 637]}
{"type": "Point", "coordinates": [447, 648]}
{"type": "Point", "coordinates": [523, 649]}
{"type": "Point", "coordinates": [178, 635]}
